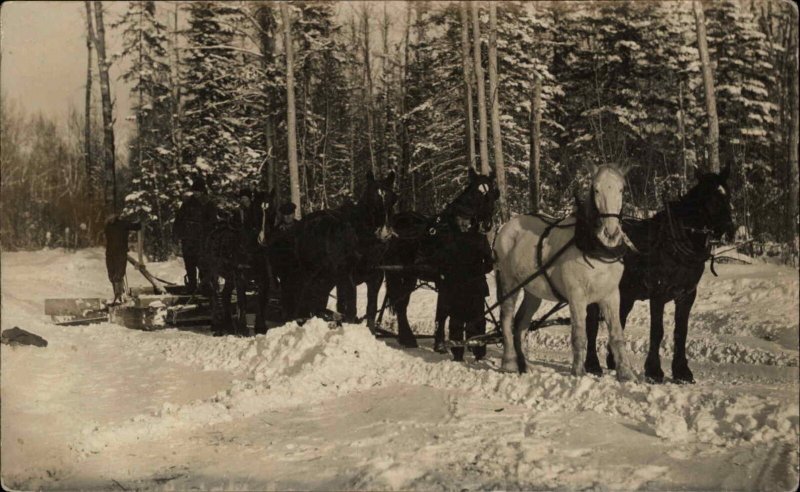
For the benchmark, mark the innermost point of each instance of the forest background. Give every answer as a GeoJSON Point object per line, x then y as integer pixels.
{"type": "Point", "coordinates": [534, 91]}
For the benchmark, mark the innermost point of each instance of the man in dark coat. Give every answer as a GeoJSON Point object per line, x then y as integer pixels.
{"type": "Point", "coordinates": [192, 222]}
{"type": "Point", "coordinates": [116, 230]}
{"type": "Point", "coordinates": [466, 259]}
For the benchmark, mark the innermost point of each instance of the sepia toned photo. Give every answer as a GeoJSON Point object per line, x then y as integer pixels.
{"type": "Point", "coordinates": [399, 245]}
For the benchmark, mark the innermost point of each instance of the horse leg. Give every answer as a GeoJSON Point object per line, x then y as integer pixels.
{"type": "Point", "coordinates": [346, 299]}
{"type": "Point", "coordinates": [373, 288]}
{"type": "Point", "coordinates": [226, 305]}
{"type": "Point", "coordinates": [625, 306]}
{"type": "Point", "coordinates": [616, 338]}
{"type": "Point", "coordinates": [262, 284]}
{"type": "Point", "coordinates": [577, 309]}
{"type": "Point", "coordinates": [522, 321]}
{"type": "Point", "coordinates": [652, 365]}
{"type": "Point", "coordinates": [439, 344]}
{"type": "Point", "coordinates": [509, 362]}
{"type": "Point", "coordinates": [241, 304]}
{"type": "Point", "coordinates": [405, 336]}
{"type": "Point", "coordinates": [680, 365]}
{"type": "Point", "coordinates": [592, 364]}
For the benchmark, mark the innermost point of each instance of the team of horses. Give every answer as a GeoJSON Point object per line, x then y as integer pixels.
{"type": "Point", "coordinates": [597, 260]}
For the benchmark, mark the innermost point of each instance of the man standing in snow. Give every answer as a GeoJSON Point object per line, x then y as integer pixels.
{"type": "Point", "coordinates": [466, 260]}
{"type": "Point", "coordinates": [116, 230]}
{"type": "Point", "coordinates": [192, 221]}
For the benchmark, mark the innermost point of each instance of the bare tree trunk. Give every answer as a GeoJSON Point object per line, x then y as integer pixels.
{"type": "Point", "coordinates": [108, 121]}
{"type": "Point", "coordinates": [708, 84]}
{"type": "Point", "coordinates": [494, 97]}
{"type": "Point", "coordinates": [794, 108]}
{"type": "Point", "coordinates": [682, 133]}
{"type": "Point", "coordinates": [294, 178]}
{"type": "Point", "coordinates": [368, 88]}
{"type": "Point", "coordinates": [536, 144]}
{"type": "Point", "coordinates": [482, 130]}
{"type": "Point", "coordinates": [404, 150]}
{"type": "Point", "coordinates": [177, 111]}
{"type": "Point", "coordinates": [385, 88]}
{"type": "Point", "coordinates": [91, 182]}
{"type": "Point", "coordinates": [264, 18]}
{"type": "Point", "coordinates": [465, 62]}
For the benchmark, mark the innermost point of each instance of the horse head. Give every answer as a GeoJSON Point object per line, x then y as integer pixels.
{"type": "Point", "coordinates": [377, 202]}
{"type": "Point", "coordinates": [604, 206]}
{"type": "Point", "coordinates": [479, 196]}
{"type": "Point", "coordinates": [264, 205]}
{"type": "Point", "coordinates": [711, 198]}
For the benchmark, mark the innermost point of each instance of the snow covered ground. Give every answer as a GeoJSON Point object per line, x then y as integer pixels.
{"type": "Point", "coordinates": [105, 407]}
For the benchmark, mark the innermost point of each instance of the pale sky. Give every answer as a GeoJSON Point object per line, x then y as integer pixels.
{"type": "Point", "coordinates": [43, 65]}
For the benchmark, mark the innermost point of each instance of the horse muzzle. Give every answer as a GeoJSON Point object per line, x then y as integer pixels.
{"type": "Point", "coordinates": [385, 233]}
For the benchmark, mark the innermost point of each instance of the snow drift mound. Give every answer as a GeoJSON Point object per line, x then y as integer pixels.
{"type": "Point", "coordinates": [301, 366]}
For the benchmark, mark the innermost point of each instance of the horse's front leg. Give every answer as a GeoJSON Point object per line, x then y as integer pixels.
{"type": "Point", "coordinates": [405, 336]}
{"type": "Point", "coordinates": [577, 311]}
{"type": "Point", "coordinates": [442, 311]}
{"type": "Point", "coordinates": [680, 365]}
{"type": "Point", "coordinates": [374, 282]}
{"type": "Point", "coordinates": [509, 362]}
{"type": "Point", "coordinates": [346, 299]}
{"type": "Point", "coordinates": [652, 365]}
{"type": "Point", "coordinates": [592, 364]}
{"type": "Point", "coordinates": [616, 339]}
{"type": "Point", "coordinates": [241, 304]}
{"type": "Point", "coordinates": [625, 307]}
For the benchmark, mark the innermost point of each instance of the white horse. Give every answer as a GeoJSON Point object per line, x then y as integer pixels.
{"type": "Point", "coordinates": [580, 276]}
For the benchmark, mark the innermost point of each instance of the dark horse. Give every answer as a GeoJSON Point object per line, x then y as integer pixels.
{"type": "Point", "coordinates": [231, 254]}
{"type": "Point", "coordinates": [331, 248]}
{"type": "Point", "coordinates": [418, 240]}
{"type": "Point", "coordinates": [674, 246]}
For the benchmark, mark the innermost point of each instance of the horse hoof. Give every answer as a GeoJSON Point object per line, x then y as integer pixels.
{"type": "Point", "coordinates": [683, 375]}
{"type": "Point", "coordinates": [408, 342]}
{"type": "Point", "coordinates": [654, 379]}
{"type": "Point", "coordinates": [654, 376]}
{"type": "Point", "coordinates": [578, 371]}
{"type": "Point", "coordinates": [510, 366]}
{"type": "Point", "coordinates": [440, 347]}
{"type": "Point", "coordinates": [593, 368]}
{"type": "Point", "coordinates": [624, 375]}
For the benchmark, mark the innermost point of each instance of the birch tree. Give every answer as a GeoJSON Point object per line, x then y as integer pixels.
{"type": "Point", "coordinates": [482, 129]}
{"type": "Point", "coordinates": [87, 132]}
{"type": "Point", "coordinates": [294, 175]}
{"type": "Point", "coordinates": [110, 181]}
{"type": "Point", "coordinates": [708, 84]}
{"type": "Point", "coordinates": [466, 61]}
{"type": "Point", "coordinates": [494, 97]}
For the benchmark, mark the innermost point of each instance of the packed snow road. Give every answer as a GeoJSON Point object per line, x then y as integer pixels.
{"type": "Point", "coordinates": [310, 407]}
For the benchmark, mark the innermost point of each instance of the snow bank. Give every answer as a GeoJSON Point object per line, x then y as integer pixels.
{"type": "Point", "coordinates": [295, 365]}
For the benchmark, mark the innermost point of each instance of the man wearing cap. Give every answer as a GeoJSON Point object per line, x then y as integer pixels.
{"type": "Point", "coordinates": [192, 222]}
{"type": "Point", "coordinates": [465, 260]}
{"type": "Point", "coordinates": [287, 219]}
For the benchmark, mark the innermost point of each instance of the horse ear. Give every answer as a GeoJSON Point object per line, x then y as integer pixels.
{"type": "Point", "coordinates": [370, 177]}
{"type": "Point", "coordinates": [726, 172]}
{"type": "Point", "coordinates": [390, 179]}
{"type": "Point", "coordinates": [472, 173]}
